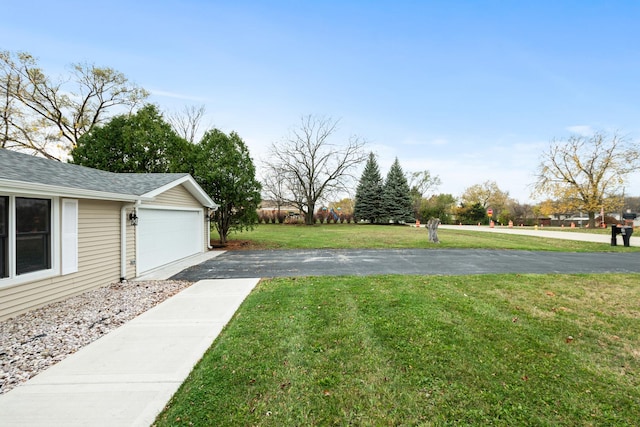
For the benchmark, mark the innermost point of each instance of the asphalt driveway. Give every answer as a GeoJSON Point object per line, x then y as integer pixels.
{"type": "Point", "coordinates": [362, 262]}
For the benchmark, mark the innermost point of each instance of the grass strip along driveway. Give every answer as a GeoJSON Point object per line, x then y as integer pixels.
{"type": "Point", "coordinates": [506, 349]}
{"type": "Point", "coordinates": [351, 236]}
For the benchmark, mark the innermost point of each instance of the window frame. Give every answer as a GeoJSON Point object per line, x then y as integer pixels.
{"type": "Point", "coordinates": [4, 238]}
{"type": "Point", "coordinates": [12, 278]}
{"type": "Point", "coordinates": [36, 235]}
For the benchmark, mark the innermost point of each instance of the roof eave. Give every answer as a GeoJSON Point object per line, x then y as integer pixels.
{"type": "Point", "coordinates": [31, 188]}
{"type": "Point", "coordinates": [191, 185]}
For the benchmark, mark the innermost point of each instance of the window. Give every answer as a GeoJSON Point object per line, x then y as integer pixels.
{"type": "Point", "coordinates": [33, 235]}
{"type": "Point", "coordinates": [29, 234]}
{"type": "Point", "coordinates": [4, 231]}
{"type": "Point", "coordinates": [30, 239]}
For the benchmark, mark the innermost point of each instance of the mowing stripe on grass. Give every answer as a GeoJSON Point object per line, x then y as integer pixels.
{"type": "Point", "coordinates": [423, 350]}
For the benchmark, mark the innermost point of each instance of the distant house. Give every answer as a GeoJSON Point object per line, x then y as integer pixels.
{"type": "Point", "coordinates": [65, 228]}
{"type": "Point", "coordinates": [270, 210]}
{"type": "Point", "coordinates": [273, 206]}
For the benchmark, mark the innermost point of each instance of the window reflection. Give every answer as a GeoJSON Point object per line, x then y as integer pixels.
{"type": "Point", "coordinates": [33, 235]}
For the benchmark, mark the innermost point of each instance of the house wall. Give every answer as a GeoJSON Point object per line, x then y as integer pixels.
{"type": "Point", "coordinates": [99, 253]}
{"type": "Point", "coordinates": [98, 262]}
{"type": "Point", "coordinates": [177, 196]}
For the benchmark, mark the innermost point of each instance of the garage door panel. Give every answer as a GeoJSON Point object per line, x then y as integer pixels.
{"type": "Point", "coordinates": [166, 235]}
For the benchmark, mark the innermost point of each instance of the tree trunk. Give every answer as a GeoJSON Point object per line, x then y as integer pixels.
{"type": "Point", "coordinates": [432, 226]}
{"type": "Point", "coordinates": [222, 232]}
{"type": "Point", "coordinates": [310, 214]}
{"type": "Point", "coordinates": [223, 223]}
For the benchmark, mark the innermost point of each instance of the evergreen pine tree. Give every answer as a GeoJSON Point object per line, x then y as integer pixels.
{"type": "Point", "coordinates": [368, 203]}
{"type": "Point", "coordinates": [397, 195]}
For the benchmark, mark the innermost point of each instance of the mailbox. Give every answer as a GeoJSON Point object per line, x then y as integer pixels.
{"type": "Point", "coordinates": [624, 231]}
{"type": "Point", "coordinates": [629, 217]}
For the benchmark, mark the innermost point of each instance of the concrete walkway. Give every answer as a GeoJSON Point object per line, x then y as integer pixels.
{"type": "Point", "coordinates": [126, 377]}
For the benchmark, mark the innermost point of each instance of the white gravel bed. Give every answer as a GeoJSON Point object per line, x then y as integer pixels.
{"type": "Point", "coordinates": [31, 342]}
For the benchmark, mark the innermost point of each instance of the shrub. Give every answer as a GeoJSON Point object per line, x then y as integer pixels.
{"type": "Point", "coordinates": [264, 217]}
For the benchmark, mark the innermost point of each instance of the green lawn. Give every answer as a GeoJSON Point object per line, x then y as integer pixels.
{"type": "Point", "coordinates": [344, 236]}
{"type": "Point", "coordinates": [505, 350]}
{"type": "Point", "coordinates": [393, 350]}
{"type": "Point", "coordinates": [596, 230]}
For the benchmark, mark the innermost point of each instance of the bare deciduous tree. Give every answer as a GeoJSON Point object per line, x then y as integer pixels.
{"type": "Point", "coordinates": [274, 187]}
{"type": "Point", "coordinates": [422, 182]}
{"type": "Point", "coordinates": [187, 123]}
{"type": "Point", "coordinates": [310, 167]}
{"type": "Point", "coordinates": [46, 116]}
{"type": "Point", "coordinates": [587, 173]}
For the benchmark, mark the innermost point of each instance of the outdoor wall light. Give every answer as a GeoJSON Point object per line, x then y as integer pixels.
{"type": "Point", "coordinates": [133, 219]}
{"type": "Point", "coordinates": [209, 215]}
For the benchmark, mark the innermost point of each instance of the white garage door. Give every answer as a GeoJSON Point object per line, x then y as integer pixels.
{"type": "Point", "coordinates": [165, 236]}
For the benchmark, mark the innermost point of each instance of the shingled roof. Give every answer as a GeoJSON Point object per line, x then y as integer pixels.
{"type": "Point", "coordinates": [23, 168]}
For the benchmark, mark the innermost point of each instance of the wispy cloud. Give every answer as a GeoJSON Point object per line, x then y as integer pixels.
{"type": "Point", "coordinates": [439, 141]}
{"type": "Point", "coordinates": [166, 94]}
{"type": "Point", "coordinates": [425, 142]}
{"type": "Point", "coordinates": [583, 130]}
{"type": "Point", "coordinates": [411, 141]}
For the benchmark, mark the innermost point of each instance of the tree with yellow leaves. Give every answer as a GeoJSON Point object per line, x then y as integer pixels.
{"type": "Point", "coordinates": [488, 195]}
{"type": "Point", "coordinates": [586, 172]}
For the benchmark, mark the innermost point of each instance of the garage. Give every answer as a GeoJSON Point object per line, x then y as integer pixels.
{"type": "Point", "coordinates": [166, 235]}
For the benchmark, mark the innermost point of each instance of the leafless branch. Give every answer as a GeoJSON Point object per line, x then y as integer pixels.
{"type": "Point", "coordinates": [310, 166]}
{"type": "Point", "coordinates": [187, 123]}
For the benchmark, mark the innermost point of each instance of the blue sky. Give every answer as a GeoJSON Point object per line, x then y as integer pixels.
{"type": "Point", "coordinates": [470, 90]}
